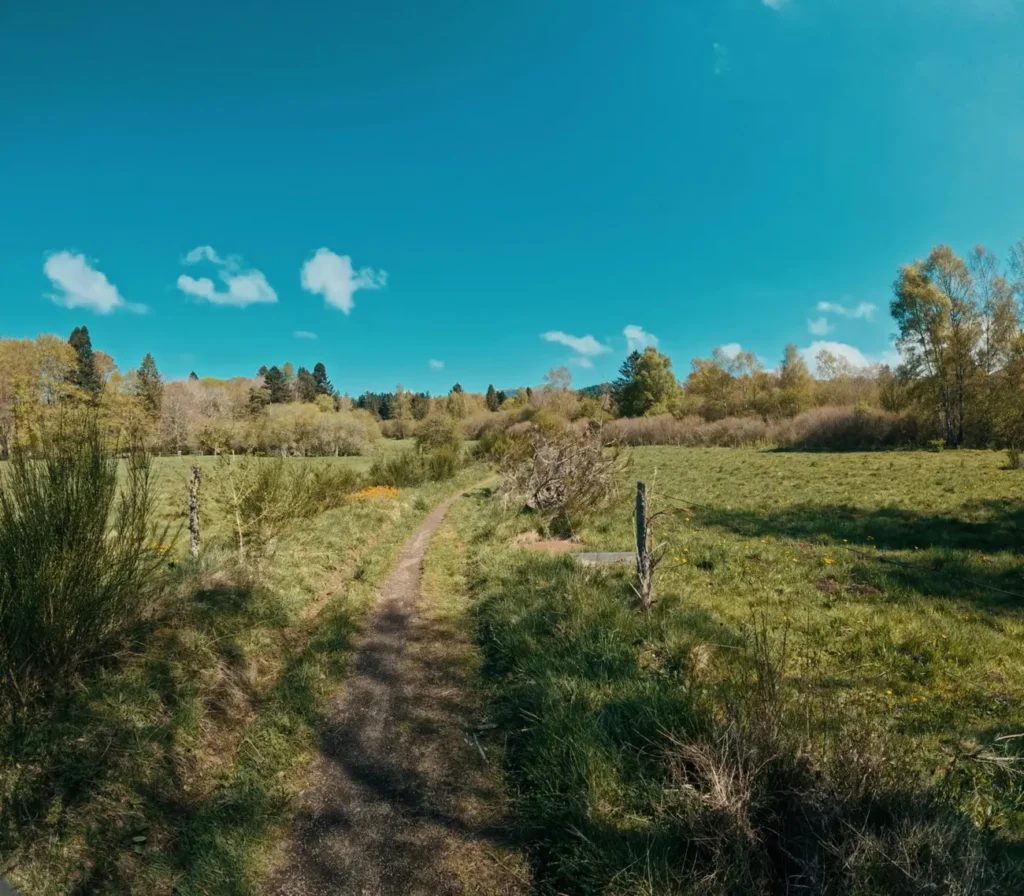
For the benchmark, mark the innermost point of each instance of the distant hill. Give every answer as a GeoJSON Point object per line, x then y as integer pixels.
{"type": "Point", "coordinates": [595, 391]}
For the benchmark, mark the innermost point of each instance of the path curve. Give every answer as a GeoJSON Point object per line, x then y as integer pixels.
{"type": "Point", "coordinates": [400, 800]}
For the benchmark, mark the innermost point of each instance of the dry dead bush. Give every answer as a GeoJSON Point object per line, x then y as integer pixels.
{"type": "Point", "coordinates": [566, 472]}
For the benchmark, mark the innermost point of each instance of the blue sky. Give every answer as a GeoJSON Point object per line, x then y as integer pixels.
{"type": "Point", "coordinates": [447, 182]}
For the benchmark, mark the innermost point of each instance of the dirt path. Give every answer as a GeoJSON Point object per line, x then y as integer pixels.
{"type": "Point", "coordinates": [401, 800]}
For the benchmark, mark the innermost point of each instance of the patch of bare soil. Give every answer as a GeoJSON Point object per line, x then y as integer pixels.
{"type": "Point", "coordinates": [402, 799]}
{"type": "Point", "coordinates": [531, 541]}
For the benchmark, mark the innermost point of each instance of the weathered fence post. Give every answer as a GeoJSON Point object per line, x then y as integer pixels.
{"type": "Point", "coordinates": [193, 512]}
{"type": "Point", "coordinates": [643, 554]}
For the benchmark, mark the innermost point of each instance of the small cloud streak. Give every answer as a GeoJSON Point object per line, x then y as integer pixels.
{"type": "Point", "coordinates": [587, 345]}
{"type": "Point", "coordinates": [582, 361]}
{"type": "Point", "coordinates": [244, 287]}
{"type": "Point", "coordinates": [637, 338]}
{"type": "Point", "coordinates": [333, 277]}
{"type": "Point", "coordinates": [775, 4]}
{"type": "Point", "coordinates": [819, 327]}
{"type": "Point", "coordinates": [730, 349]}
{"type": "Point", "coordinates": [304, 334]}
{"type": "Point", "coordinates": [721, 65]}
{"type": "Point", "coordinates": [80, 285]}
{"type": "Point", "coordinates": [852, 355]}
{"type": "Point", "coordinates": [864, 311]}
{"type": "Point", "coordinates": [436, 365]}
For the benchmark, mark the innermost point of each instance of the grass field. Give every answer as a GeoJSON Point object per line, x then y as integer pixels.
{"type": "Point", "coordinates": [173, 769]}
{"type": "Point", "coordinates": [772, 560]}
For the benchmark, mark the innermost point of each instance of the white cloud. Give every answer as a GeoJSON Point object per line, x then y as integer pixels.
{"type": "Point", "coordinates": [582, 361]}
{"type": "Point", "coordinates": [582, 345]}
{"type": "Point", "coordinates": [637, 338]}
{"type": "Point", "coordinates": [332, 276]}
{"type": "Point", "coordinates": [721, 65]}
{"type": "Point", "coordinates": [864, 310]}
{"type": "Point", "coordinates": [203, 253]}
{"type": "Point", "coordinates": [731, 349]}
{"type": "Point", "coordinates": [775, 4]}
{"type": "Point", "coordinates": [304, 334]}
{"type": "Point", "coordinates": [250, 288]}
{"type": "Point", "coordinates": [436, 365]}
{"type": "Point", "coordinates": [243, 287]}
{"type": "Point", "coordinates": [849, 353]}
{"type": "Point", "coordinates": [80, 285]}
{"type": "Point", "coordinates": [819, 327]}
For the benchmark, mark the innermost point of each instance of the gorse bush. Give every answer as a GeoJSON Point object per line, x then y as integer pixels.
{"type": "Point", "coordinates": [408, 469]}
{"type": "Point", "coordinates": [77, 557]}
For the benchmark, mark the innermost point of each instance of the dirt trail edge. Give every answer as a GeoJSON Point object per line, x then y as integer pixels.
{"type": "Point", "coordinates": [401, 801]}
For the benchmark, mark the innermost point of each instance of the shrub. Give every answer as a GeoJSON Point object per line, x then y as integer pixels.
{"type": "Point", "coordinates": [1015, 458]}
{"type": "Point", "coordinates": [443, 463]}
{"type": "Point", "coordinates": [438, 431]}
{"type": "Point", "coordinates": [77, 559]}
{"type": "Point", "coordinates": [824, 428]}
{"type": "Point", "coordinates": [402, 470]}
{"type": "Point", "coordinates": [565, 471]}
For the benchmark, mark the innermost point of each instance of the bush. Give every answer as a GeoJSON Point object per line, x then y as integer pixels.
{"type": "Point", "coordinates": [409, 469]}
{"type": "Point", "coordinates": [824, 428]}
{"type": "Point", "coordinates": [566, 472]}
{"type": "Point", "coordinates": [438, 431]}
{"type": "Point", "coordinates": [444, 463]}
{"type": "Point", "coordinates": [1015, 458]}
{"type": "Point", "coordinates": [402, 470]}
{"type": "Point", "coordinates": [77, 559]}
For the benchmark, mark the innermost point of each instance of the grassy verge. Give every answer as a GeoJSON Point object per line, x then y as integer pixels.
{"type": "Point", "coordinates": [175, 767]}
{"type": "Point", "coordinates": [791, 712]}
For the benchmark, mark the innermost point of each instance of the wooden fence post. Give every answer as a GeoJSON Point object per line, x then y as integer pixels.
{"type": "Point", "coordinates": [643, 554]}
{"type": "Point", "coordinates": [193, 512]}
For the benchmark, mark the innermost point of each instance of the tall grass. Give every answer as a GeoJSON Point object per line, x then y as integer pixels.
{"type": "Point", "coordinates": [77, 560]}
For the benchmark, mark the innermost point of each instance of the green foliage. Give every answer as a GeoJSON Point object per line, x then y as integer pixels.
{"type": "Point", "coordinates": [407, 469]}
{"type": "Point", "coordinates": [646, 383]}
{"type": "Point", "coordinates": [85, 375]}
{"type": "Point", "coordinates": [77, 559]}
{"type": "Point", "coordinates": [305, 386]}
{"type": "Point", "coordinates": [323, 384]}
{"type": "Point", "coordinates": [149, 386]}
{"type": "Point", "coordinates": [276, 385]}
{"type": "Point", "coordinates": [438, 431]}
{"type": "Point", "coordinates": [491, 399]}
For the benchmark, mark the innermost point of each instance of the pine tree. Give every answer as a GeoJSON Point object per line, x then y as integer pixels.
{"type": "Point", "coordinates": [492, 399]}
{"type": "Point", "coordinates": [149, 386]}
{"type": "Point", "coordinates": [84, 375]}
{"type": "Point", "coordinates": [457, 388]}
{"type": "Point", "coordinates": [323, 385]}
{"type": "Point", "coordinates": [194, 377]}
{"type": "Point", "coordinates": [305, 386]}
{"type": "Point", "coordinates": [276, 386]}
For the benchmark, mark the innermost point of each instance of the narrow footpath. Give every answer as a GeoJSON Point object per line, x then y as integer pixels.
{"type": "Point", "coordinates": [402, 799]}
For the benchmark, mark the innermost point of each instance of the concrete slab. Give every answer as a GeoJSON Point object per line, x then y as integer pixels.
{"type": "Point", "coordinates": [605, 558]}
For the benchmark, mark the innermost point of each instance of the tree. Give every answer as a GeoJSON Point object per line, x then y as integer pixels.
{"type": "Point", "coordinates": [85, 376]}
{"type": "Point", "coordinates": [276, 386]}
{"type": "Point", "coordinates": [194, 377]}
{"type": "Point", "coordinates": [939, 322]}
{"type": "Point", "coordinates": [645, 383]}
{"type": "Point", "coordinates": [323, 385]}
{"type": "Point", "coordinates": [502, 397]}
{"type": "Point", "coordinates": [149, 387]}
{"type": "Point", "coordinates": [456, 388]}
{"type": "Point", "coordinates": [491, 399]}
{"type": "Point", "coordinates": [305, 386]}
{"type": "Point", "coordinates": [420, 406]}
{"type": "Point", "coordinates": [796, 385]}
{"type": "Point", "coordinates": [401, 410]}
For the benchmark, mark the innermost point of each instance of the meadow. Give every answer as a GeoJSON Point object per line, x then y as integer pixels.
{"type": "Point", "coordinates": [835, 644]}
{"type": "Point", "coordinates": [173, 765]}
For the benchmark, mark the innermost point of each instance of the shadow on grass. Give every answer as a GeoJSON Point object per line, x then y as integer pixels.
{"type": "Point", "coordinates": [629, 778]}
{"type": "Point", "coordinates": [945, 543]}
{"type": "Point", "coordinates": [112, 771]}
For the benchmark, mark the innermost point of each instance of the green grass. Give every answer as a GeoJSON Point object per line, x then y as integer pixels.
{"type": "Point", "coordinates": [174, 767]}
{"type": "Point", "coordinates": [915, 670]}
